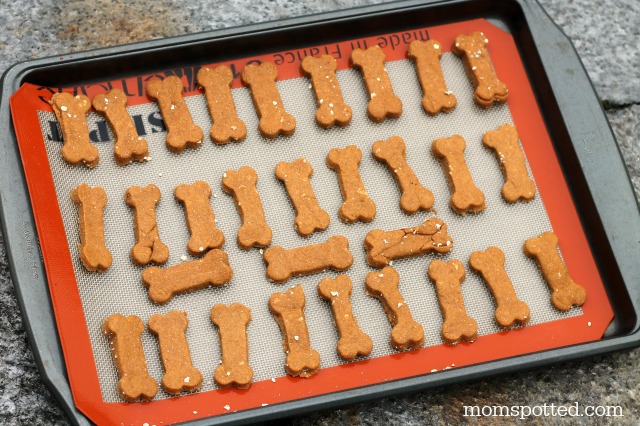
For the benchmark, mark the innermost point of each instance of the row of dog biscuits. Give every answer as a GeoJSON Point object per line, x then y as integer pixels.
{"type": "Point", "coordinates": [183, 133]}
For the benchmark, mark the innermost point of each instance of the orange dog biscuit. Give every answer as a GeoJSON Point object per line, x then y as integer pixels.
{"type": "Point", "coordinates": [426, 55]}
{"type": "Point", "coordinates": [518, 184]}
{"type": "Point", "coordinates": [288, 311]}
{"type": "Point", "coordinates": [331, 106]}
{"type": "Point", "coordinates": [182, 131]}
{"type": "Point", "coordinates": [200, 219]}
{"type": "Point", "coordinates": [393, 152]}
{"type": "Point", "coordinates": [128, 145]}
{"type": "Point", "coordinates": [510, 309]}
{"type": "Point", "coordinates": [148, 246]}
{"type": "Point", "coordinates": [180, 375]}
{"type": "Point", "coordinates": [447, 277]}
{"type": "Point", "coordinates": [465, 197]}
{"type": "Point", "coordinates": [384, 103]}
{"type": "Point", "coordinates": [91, 203]}
{"type": "Point", "coordinates": [565, 292]}
{"type": "Point", "coordinates": [128, 355]}
{"type": "Point", "coordinates": [382, 247]}
{"type": "Point", "coordinates": [241, 184]}
{"type": "Point", "coordinates": [212, 269]}
{"type": "Point", "coordinates": [473, 49]}
{"type": "Point", "coordinates": [309, 216]}
{"type": "Point", "coordinates": [217, 89]}
{"type": "Point", "coordinates": [333, 253]}
{"type": "Point", "coordinates": [71, 112]}
{"type": "Point", "coordinates": [353, 341]}
{"type": "Point", "coordinates": [384, 286]}
{"type": "Point", "coordinates": [232, 324]}
{"type": "Point", "coordinates": [274, 120]}
{"type": "Point", "coordinates": [357, 205]}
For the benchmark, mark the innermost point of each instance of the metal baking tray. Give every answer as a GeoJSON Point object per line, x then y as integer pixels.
{"type": "Point", "coordinates": [581, 137]}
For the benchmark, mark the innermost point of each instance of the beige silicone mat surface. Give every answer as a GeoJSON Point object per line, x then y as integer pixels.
{"type": "Point", "coordinates": [120, 290]}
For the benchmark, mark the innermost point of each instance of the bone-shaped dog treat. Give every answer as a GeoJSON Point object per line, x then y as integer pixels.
{"type": "Point", "coordinates": [384, 246]}
{"type": "Point", "coordinates": [91, 203]}
{"type": "Point", "coordinates": [274, 120]}
{"type": "Point", "coordinates": [148, 246]}
{"type": "Point", "coordinates": [357, 205]}
{"type": "Point", "coordinates": [128, 145]}
{"type": "Point", "coordinates": [384, 286]}
{"type": "Point", "coordinates": [180, 375]}
{"type": "Point", "coordinates": [232, 324]}
{"type": "Point", "coordinates": [565, 292]}
{"type": "Point", "coordinates": [128, 355]}
{"type": "Point", "coordinates": [447, 277]}
{"type": "Point", "coordinates": [436, 97]}
{"type": "Point", "coordinates": [200, 218]}
{"type": "Point", "coordinates": [227, 126]}
{"type": "Point", "coordinates": [384, 103]}
{"type": "Point", "coordinates": [288, 310]}
{"type": "Point", "coordinates": [518, 185]}
{"type": "Point", "coordinates": [309, 216]}
{"type": "Point", "coordinates": [393, 152]}
{"type": "Point", "coordinates": [353, 341]}
{"type": "Point", "coordinates": [241, 184]}
{"type": "Point", "coordinates": [473, 50]}
{"type": "Point", "coordinates": [333, 253]}
{"type": "Point", "coordinates": [182, 131]}
{"type": "Point", "coordinates": [331, 106]}
{"type": "Point", "coordinates": [71, 112]}
{"type": "Point", "coordinates": [212, 269]}
{"type": "Point", "coordinates": [465, 196]}
{"type": "Point", "coordinates": [510, 309]}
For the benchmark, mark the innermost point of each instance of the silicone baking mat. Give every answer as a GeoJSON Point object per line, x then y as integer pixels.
{"type": "Point", "coordinates": [82, 300]}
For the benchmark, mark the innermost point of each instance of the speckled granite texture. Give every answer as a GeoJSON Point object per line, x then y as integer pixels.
{"type": "Point", "coordinates": [607, 36]}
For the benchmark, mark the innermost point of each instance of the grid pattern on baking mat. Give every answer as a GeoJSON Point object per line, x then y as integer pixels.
{"type": "Point", "coordinates": [120, 290]}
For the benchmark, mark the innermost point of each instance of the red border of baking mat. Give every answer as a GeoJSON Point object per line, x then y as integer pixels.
{"type": "Point", "coordinates": [562, 213]}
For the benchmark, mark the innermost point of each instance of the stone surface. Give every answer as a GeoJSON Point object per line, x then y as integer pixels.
{"type": "Point", "coordinates": [606, 35]}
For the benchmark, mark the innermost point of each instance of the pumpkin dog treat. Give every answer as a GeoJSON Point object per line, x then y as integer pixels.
{"type": "Point", "coordinates": [212, 269]}
{"type": "Point", "coordinates": [384, 286]}
{"type": "Point", "coordinates": [180, 375]}
{"type": "Point", "coordinates": [128, 145]}
{"type": "Point", "coordinates": [333, 253]}
{"type": "Point", "coordinates": [274, 120]}
{"type": "Point", "coordinates": [382, 247]}
{"type": "Point", "coordinates": [510, 309]}
{"type": "Point", "coordinates": [200, 219]}
{"type": "Point", "coordinates": [473, 50]}
{"type": "Point", "coordinates": [288, 310]}
{"type": "Point", "coordinates": [357, 205]}
{"type": "Point", "coordinates": [565, 292]}
{"type": "Point", "coordinates": [309, 216]}
{"type": "Point", "coordinates": [241, 184]}
{"type": "Point", "coordinates": [465, 197]}
{"type": "Point", "coordinates": [148, 246]}
{"type": "Point", "coordinates": [91, 203]}
{"type": "Point", "coordinates": [353, 341]}
{"type": "Point", "coordinates": [518, 185]}
{"type": "Point", "coordinates": [128, 355]}
{"type": "Point", "coordinates": [232, 324]}
{"type": "Point", "coordinates": [447, 277]}
{"type": "Point", "coordinates": [71, 112]}
{"type": "Point", "coordinates": [384, 103]}
{"type": "Point", "coordinates": [182, 131]}
{"type": "Point", "coordinates": [426, 55]}
{"type": "Point", "coordinates": [331, 106]}
{"type": "Point", "coordinates": [217, 89]}
{"type": "Point", "coordinates": [393, 152]}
